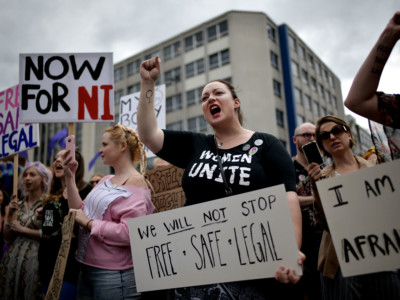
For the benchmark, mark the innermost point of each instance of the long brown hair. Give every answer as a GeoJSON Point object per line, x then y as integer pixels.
{"type": "Point", "coordinates": [56, 188]}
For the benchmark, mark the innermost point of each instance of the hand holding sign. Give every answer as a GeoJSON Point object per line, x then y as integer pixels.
{"type": "Point", "coordinates": [241, 237]}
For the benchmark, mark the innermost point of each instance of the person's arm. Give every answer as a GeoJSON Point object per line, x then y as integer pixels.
{"type": "Point", "coordinates": [295, 213]}
{"type": "Point", "coordinates": [17, 228]}
{"type": "Point", "coordinates": [362, 98]}
{"type": "Point", "coordinates": [70, 166]}
{"type": "Point", "coordinates": [11, 212]}
{"type": "Point", "coordinates": [305, 200]}
{"type": "Point", "coordinates": [115, 233]}
{"type": "Point", "coordinates": [149, 133]}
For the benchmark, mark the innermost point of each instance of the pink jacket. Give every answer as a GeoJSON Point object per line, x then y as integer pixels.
{"type": "Point", "coordinates": [109, 244]}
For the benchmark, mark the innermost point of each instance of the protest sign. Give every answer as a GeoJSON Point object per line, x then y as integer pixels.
{"type": "Point", "coordinates": [15, 137]}
{"type": "Point", "coordinates": [167, 186]}
{"type": "Point", "coordinates": [362, 210]}
{"type": "Point", "coordinates": [242, 237]}
{"type": "Point", "coordinates": [76, 87]}
{"type": "Point", "coordinates": [128, 110]}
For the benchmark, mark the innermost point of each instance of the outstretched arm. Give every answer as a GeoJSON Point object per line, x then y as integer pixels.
{"type": "Point", "coordinates": [362, 97]}
{"type": "Point", "coordinates": [149, 133]}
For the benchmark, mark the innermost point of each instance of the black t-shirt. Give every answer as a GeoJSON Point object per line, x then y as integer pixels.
{"type": "Point", "coordinates": [53, 218]}
{"type": "Point", "coordinates": [260, 162]}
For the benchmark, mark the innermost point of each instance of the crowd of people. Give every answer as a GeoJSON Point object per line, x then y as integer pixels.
{"type": "Point", "coordinates": [99, 263]}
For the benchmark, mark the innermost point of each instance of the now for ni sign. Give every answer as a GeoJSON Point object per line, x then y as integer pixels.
{"type": "Point", "coordinates": [76, 87]}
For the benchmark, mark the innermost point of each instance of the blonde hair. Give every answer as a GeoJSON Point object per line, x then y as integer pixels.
{"type": "Point", "coordinates": [42, 171]}
{"type": "Point", "coordinates": [120, 133]}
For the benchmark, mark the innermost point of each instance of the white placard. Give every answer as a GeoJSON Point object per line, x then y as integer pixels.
{"type": "Point", "coordinates": [362, 210]}
{"type": "Point", "coordinates": [242, 237]}
{"type": "Point", "coordinates": [14, 137]}
{"type": "Point", "coordinates": [66, 87]}
{"type": "Point", "coordinates": [128, 110]}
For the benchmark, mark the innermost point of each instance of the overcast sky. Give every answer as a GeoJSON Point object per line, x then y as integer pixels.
{"type": "Point", "coordinates": [340, 32]}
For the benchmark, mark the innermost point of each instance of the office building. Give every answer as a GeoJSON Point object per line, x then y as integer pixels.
{"type": "Point", "coordinates": [281, 82]}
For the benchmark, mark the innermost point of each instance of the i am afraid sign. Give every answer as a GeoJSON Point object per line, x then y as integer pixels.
{"type": "Point", "coordinates": [66, 87]}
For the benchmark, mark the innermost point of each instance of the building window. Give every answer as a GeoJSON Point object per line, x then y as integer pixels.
{"type": "Point", "coordinates": [302, 52]}
{"type": "Point", "coordinates": [313, 84]}
{"type": "Point", "coordinates": [274, 60]}
{"type": "Point", "coordinates": [310, 60]}
{"type": "Point", "coordinates": [117, 96]}
{"type": "Point", "coordinates": [292, 43]}
{"type": "Point", "coordinates": [175, 126]}
{"type": "Point", "coordinates": [331, 82]}
{"type": "Point", "coordinates": [197, 124]}
{"type": "Point", "coordinates": [152, 54]}
{"type": "Point", "coordinates": [334, 101]}
{"type": "Point", "coordinates": [307, 102]}
{"type": "Point", "coordinates": [119, 74]}
{"type": "Point", "coordinates": [316, 108]}
{"type": "Point", "coordinates": [280, 118]}
{"type": "Point", "coordinates": [277, 88]}
{"type": "Point", "coordinates": [327, 96]}
{"type": "Point", "coordinates": [193, 96]}
{"type": "Point", "coordinates": [173, 76]}
{"type": "Point", "coordinates": [323, 111]}
{"type": "Point", "coordinates": [300, 119]}
{"type": "Point", "coordinates": [326, 75]}
{"type": "Point", "coordinates": [271, 32]}
{"type": "Point", "coordinates": [295, 69]}
{"type": "Point", "coordinates": [172, 50]}
{"type": "Point", "coordinates": [297, 96]}
{"type": "Point", "coordinates": [321, 90]}
{"type": "Point", "coordinates": [219, 59]}
{"type": "Point", "coordinates": [304, 76]}
{"type": "Point", "coordinates": [195, 68]}
{"type": "Point", "coordinates": [173, 103]}
{"type": "Point", "coordinates": [134, 88]}
{"type": "Point", "coordinates": [194, 41]}
{"type": "Point", "coordinates": [319, 68]}
{"type": "Point", "coordinates": [218, 30]}
{"type": "Point", "coordinates": [134, 67]}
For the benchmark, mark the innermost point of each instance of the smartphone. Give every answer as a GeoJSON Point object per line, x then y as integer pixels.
{"type": "Point", "coordinates": [70, 145]}
{"type": "Point", "coordinates": [312, 153]}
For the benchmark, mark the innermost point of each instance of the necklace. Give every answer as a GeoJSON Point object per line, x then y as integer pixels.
{"type": "Point", "coordinates": [220, 144]}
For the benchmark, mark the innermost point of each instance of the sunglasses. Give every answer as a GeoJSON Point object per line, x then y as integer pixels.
{"type": "Point", "coordinates": [94, 182]}
{"type": "Point", "coordinates": [307, 136]}
{"type": "Point", "coordinates": [336, 131]}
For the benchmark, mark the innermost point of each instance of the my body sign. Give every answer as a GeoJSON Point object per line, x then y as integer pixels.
{"type": "Point", "coordinates": [246, 236]}
{"type": "Point", "coordinates": [362, 209]}
{"type": "Point", "coordinates": [129, 105]}
{"type": "Point", "coordinates": [66, 87]}
{"type": "Point", "coordinates": [14, 137]}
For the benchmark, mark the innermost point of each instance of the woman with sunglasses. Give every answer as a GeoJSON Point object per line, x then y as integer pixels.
{"type": "Point", "coordinates": [335, 140]}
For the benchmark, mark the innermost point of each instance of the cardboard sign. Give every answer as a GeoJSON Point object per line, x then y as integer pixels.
{"type": "Point", "coordinates": [362, 210]}
{"type": "Point", "coordinates": [167, 185]}
{"type": "Point", "coordinates": [66, 87]}
{"type": "Point", "coordinates": [128, 110]}
{"type": "Point", "coordinates": [242, 237]}
{"type": "Point", "coordinates": [14, 137]}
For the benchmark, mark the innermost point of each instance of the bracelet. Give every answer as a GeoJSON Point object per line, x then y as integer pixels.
{"type": "Point", "coordinates": [87, 224]}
